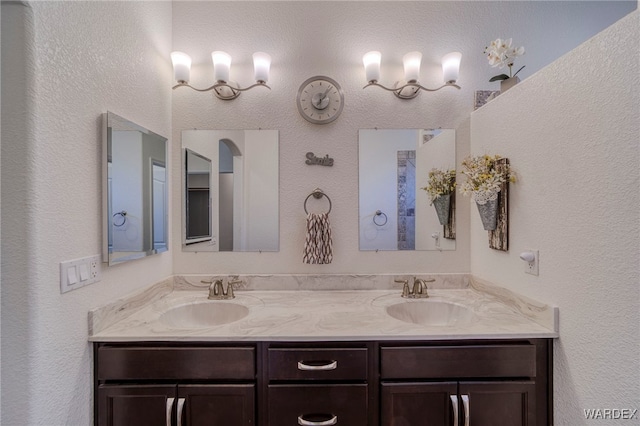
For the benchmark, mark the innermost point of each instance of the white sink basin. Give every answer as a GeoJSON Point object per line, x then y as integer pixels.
{"type": "Point", "coordinates": [432, 313]}
{"type": "Point", "coordinates": [203, 314]}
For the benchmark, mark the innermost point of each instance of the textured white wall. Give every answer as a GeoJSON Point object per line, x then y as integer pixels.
{"type": "Point", "coordinates": [329, 38]}
{"type": "Point", "coordinates": [82, 59]}
{"type": "Point", "coordinates": [571, 132]}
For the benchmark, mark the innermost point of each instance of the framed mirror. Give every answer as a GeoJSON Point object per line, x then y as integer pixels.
{"type": "Point", "coordinates": [230, 194]}
{"type": "Point", "coordinates": [135, 181]}
{"type": "Point", "coordinates": [395, 212]}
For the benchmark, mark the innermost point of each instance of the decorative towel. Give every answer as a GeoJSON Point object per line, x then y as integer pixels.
{"type": "Point", "coordinates": [317, 245]}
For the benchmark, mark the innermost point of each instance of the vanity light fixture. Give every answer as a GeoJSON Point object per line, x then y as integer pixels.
{"type": "Point", "coordinates": [410, 88]}
{"type": "Point", "coordinates": [223, 88]}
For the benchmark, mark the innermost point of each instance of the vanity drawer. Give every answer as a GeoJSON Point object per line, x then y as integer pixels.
{"type": "Point", "coordinates": [176, 363]}
{"type": "Point", "coordinates": [317, 363]}
{"type": "Point", "coordinates": [478, 361]}
{"type": "Point", "coordinates": [318, 403]}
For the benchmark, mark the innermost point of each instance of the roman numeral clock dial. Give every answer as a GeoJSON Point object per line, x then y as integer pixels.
{"type": "Point", "coordinates": [320, 100]}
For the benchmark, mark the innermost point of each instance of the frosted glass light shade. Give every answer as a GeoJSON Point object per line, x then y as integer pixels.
{"type": "Point", "coordinates": [411, 63]}
{"type": "Point", "coordinates": [181, 66]}
{"type": "Point", "coordinates": [371, 62]}
{"type": "Point", "coordinates": [451, 66]}
{"type": "Point", "coordinates": [221, 65]}
{"type": "Point", "coordinates": [261, 65]}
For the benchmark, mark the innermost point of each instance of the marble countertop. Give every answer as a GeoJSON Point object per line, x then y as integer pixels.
{"type": "Point", "coordinates": [324, 315]}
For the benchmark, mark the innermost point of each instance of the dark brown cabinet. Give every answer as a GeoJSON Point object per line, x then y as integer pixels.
{"type": "Point", "coordinates": [484, 384]}
{"type": "Point", "coordinates": [311, 404]}
{"type": "Point", "coordinates": [510, 403]}
{"type": "Point", "coordinates": [135, 405]}
{"type": "Point", "coordinates": [193, 405]}
{"type": "Point", "coordinates": [404, 404]}
{"type": "Point", "coordinates": [458, 404]}
{"type": "Point", "coordinates": [435, 383]}
{"type": "Point", "coordinates": [209, 385]}
{"type": "Point", "coordinates": [207, 405]}
{"type": "Point", "coordinates": [318, 384]}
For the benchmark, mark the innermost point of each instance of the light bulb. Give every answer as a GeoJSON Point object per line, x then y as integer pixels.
{"type": "Point", "coordinates": [451, 66]}
{"type": "Point", "coordinates": [411, 63]}
{"type": "Point", "coordinates": [371, 62]}
{"type": "Point", "coordinates": [261, 65]}
{"type": "Point", "coordinates": [181, 66]}
{"type": "Point", "coordinates": [221, 66]}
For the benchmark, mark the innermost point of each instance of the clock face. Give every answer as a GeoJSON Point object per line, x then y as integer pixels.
{"type": "Point", "coordinates": [320, 100]}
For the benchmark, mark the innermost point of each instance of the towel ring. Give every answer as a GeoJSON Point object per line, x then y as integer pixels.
{"type": "Point", "coordinates": [121, 220]}
{"type": "Point", "coordinates": [317, 194]}
{"type": "Point", "coordinates": [380, 213]}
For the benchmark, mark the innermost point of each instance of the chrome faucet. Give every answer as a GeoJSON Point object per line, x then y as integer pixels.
{"type": "Point", "coordinates": [420, 287]}
{"type": "Point", "coordinates": [419, 290]}
{"type": "Point", "coordinates": [217, 290]}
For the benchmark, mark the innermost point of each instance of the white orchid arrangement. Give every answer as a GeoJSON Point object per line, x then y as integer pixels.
{"type": "Point", "coordinates": [440, 182]}
{"type": "Point", "coordinates": [484, 181]}
{"type": "Point", "coordinates": [500, 53]}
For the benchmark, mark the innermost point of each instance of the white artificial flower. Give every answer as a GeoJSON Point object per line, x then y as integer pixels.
{"type": "Point", "coordinates": [501, 53]}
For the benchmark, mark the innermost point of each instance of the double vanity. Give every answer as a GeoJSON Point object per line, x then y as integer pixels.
{"type": "Point", "coordinates": [298, 350]}
{"type": "Point", "coordinates": [308, 350]}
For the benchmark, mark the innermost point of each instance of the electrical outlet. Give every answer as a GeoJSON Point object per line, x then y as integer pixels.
{"type": "Point", "coordinates": [95, 271]}
{"type": "Point", "coordinates": [532, 266]}
{"type": "Point", "coordinates": [80, 272]}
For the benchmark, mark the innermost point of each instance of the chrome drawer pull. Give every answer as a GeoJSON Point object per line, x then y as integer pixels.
{"type": "Point", "coordinates": [169, 410]}
{"type": "Point", "coordinates": [180, 409]}
{"type": "Point", "coordinates": [331, 421]}
{"type": "Point", "coordinates": [454, 404]}
{"type": "Point", "coordinates": [465, 405]}
{"type": "Point", "coordinates": [305, 367]}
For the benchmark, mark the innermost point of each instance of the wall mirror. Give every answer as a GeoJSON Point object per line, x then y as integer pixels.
{"type": "Point", "coordinates": [135, 223]}
{"type": "Point", "coordinates": [230, 194]}
{"type": "Point", "coordinates": [395, 213]}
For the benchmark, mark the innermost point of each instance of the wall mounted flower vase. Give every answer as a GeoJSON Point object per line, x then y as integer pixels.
{"type": "Point", "coordinates": [489, 214]}
{"type": "Point", "coordinates": [443, 205]}
{"type": "Point", "coordinates": [487, 183]}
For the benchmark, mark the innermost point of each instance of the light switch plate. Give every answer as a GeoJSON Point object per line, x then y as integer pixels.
{"type": "Point", "coordinates": [80, 272]}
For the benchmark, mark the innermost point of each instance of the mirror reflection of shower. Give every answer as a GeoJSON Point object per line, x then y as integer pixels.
{"type": "Point", "coordinates": [393, 170]}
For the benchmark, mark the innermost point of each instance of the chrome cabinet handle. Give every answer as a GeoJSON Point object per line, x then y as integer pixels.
{"type": "Point", "coordinates": [305, 367]}
{"type": "Point", "coordinates": [331, 421]}
{"type": "Point", "coordinates": [465, 405]}
{"type": "Point", "coordinates": [454, 404]}
{"type": "Point", "coordinates": [180, 409]}
{"type": "Point", "coordinates": [169, 410]}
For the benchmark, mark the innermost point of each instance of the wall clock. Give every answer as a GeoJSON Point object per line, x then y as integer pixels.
{"type": "Point", "coordinates": [320, 100]}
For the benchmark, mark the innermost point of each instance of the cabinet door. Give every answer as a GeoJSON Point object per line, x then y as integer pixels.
{"type": "Point", "coordinates": [217, 405]}
{"type": "Point", "coordinates": [499, 403]}
{"type": "Point", "coordinates": [418, 404]}
{"type": "Point", "coordinates": [135, 405]}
